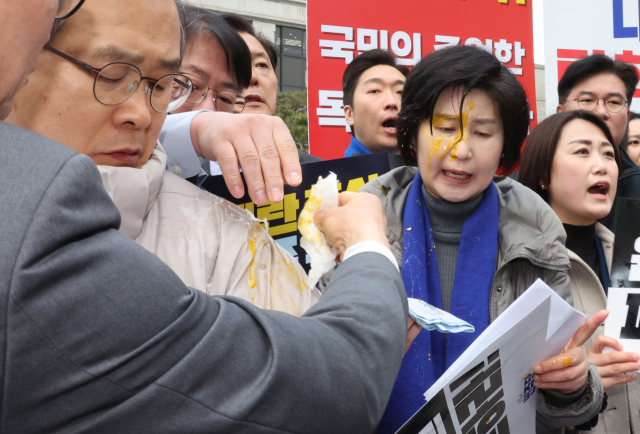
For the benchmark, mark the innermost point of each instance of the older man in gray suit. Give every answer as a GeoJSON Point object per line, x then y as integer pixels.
{"type": "Point", "coordinates": [99, 336]}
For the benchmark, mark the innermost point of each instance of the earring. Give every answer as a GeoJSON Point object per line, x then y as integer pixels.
{"type": "Point", "coordinates": [502, 156]}
{"type": "Point", "coordinates": [543, 186]}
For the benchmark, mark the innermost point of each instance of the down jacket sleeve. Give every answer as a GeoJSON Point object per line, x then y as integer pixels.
{"type": "Point", "coordinates": [551, 419]}
{"type": "Point", "coordinates": [219, 248]}
{"type": "Point", "coordinates": [101, 337]}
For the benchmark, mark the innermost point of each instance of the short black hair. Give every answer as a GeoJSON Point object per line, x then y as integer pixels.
{"type": "Point", "coordinates": [540, 150]}
{"type": "Point", "coordinates": [597, 64]}
{"type": "Point", "coordinates": [362, 63]}
{"type": "Point", "coordinates": [61, 23]}
{"type": "Point", "coordinates": [238, 23]}
{"type": "Point", "coordinates": [465, 67]}
{"type": "Point", "coordinates": [201, 22]}
{"type": "Point", "coordinates": [241, 25]}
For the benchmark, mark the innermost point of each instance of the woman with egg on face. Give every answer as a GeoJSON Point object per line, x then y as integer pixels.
{"type": "Point", "coordinates": [467, 242]}
{"type": "Point", "coordinates": [570, 161]}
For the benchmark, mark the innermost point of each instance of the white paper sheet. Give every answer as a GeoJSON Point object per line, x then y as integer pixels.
{"type": "Point", "coordinates": [563, 322]}
{"type": "Point", "coordinates": [494, 392]}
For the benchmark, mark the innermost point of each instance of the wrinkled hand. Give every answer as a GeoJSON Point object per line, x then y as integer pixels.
{"type": "Point", "coordinates": [357, 218]}
{"type": "Point", "coordinates": [260, 144]}
{"type": "Point", "coordinates": [568, 372]}
{"type": "Point", "coordinates": [413, 329]}
{"type": "Point", "coordinates": [613, 366]}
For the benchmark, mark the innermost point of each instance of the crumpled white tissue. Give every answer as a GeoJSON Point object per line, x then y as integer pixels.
{"type": "Point", "coordinates": [324, 196]}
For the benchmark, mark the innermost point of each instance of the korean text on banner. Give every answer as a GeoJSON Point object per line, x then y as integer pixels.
{"type": "Point", "coordinates": [338, 30]}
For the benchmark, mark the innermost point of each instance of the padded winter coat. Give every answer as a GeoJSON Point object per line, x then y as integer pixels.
{"type": "Point", "coordinates": [209, 242]}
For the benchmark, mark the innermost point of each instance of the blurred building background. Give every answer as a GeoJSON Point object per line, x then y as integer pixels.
{"type": "Point", "coordinates": [284, 22]}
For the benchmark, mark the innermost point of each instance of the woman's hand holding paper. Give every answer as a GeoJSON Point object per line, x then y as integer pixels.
{"type": "Point", "coordinates": [614, 366]}
{"type": "Point", "coordinates": [568, 372]}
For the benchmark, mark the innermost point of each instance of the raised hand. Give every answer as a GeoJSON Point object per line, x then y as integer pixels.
{"type": "Point", "coordinates": [260, 144]}
{"type": "Point", "coordinates": [614, 366]}
{"type": "Point", "coordinates": [568, 372]}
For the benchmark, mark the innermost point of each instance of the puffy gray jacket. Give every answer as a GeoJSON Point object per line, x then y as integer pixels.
{"type": "Point", "coordinates": [530, 246]}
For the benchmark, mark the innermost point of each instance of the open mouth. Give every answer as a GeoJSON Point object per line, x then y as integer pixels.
{"type": "Point", "coordinates": [253, 98]}
{"type": "Point", "coordinates": [461, 176]}
{"type": "Point", "coordinates": [599, 189]}
{"type": "Point", "coordinates": [391, 124]}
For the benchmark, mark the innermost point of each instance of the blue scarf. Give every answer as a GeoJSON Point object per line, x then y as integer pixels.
{"type": "Point", "coordinates": [428, 357]}
{"type": "Point", "coordinates": [356, 148]}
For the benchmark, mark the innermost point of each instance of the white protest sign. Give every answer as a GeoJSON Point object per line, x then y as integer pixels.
{"type": "Point", "coordinates": [595, 26]}
{"type": "Point", "coordinates": [623, 297]}
{"type": "Point", "coordinates": [623, 322]}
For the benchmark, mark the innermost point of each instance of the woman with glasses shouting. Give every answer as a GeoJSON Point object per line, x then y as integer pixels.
{"type": "Point", "coordinates": [103, 86]}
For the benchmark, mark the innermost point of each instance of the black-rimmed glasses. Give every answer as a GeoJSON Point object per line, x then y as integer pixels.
{"type": "Point", "coordinates": [226, 101]}
{"type": "Point", "coordinates": [117, 82]}
{"type": "Point", "coordinates": [613, 103]}
{"type": "Point", "coordinates": [66, 8]}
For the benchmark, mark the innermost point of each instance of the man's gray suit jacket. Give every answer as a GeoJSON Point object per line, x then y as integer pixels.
{"type": "Point", "coordinates": [99, 336]}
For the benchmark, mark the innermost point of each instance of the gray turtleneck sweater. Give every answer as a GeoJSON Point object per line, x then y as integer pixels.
{"type": "Point", "coordinates": [447, 220]}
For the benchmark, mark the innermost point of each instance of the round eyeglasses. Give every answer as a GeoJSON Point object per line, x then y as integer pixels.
{"type": "Point", "coordinates": [613, 103]}
{"type": "Point", "coordinates": [226, 101]}
{"type": "Point", "coordinates": [66, 8]}
{"type": "Point", "coordinates": [117, 82]}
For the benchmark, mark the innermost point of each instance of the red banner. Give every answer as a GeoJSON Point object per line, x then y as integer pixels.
{"type": "Point", "coordinates": [337, 30]}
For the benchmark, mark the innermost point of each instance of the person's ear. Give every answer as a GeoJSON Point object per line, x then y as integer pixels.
{"type": "Point", "coordinates": [413, 147]}
{"type": "Point", "coordinates": [348, 115]}
{"type": "Point", "coordinates": [560, 108]}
